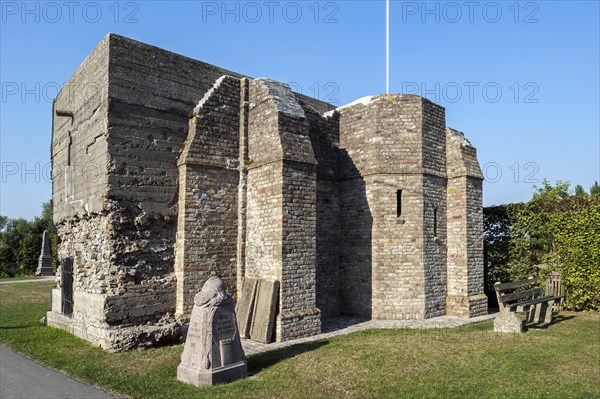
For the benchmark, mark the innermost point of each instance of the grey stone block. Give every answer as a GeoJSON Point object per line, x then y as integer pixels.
{"type": "Point", "coordinates": [245, 305]}
{"type": "Point", "coordinates": [263, 319]}
{"type": "Point", "coordinates": [508, 322]}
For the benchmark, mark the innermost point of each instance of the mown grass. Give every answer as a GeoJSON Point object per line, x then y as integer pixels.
{"type": "Point", "coordinates": [560, 361]}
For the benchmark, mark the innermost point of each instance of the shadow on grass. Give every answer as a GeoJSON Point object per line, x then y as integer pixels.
{"type": "Point", "coordinates": [555, 320]}
{"type": "Point", "coordinates": [259, 362]}
{"type": "Point", "coordinates": [29, 322]}
{"type": "Point", "coordinates": [22, 326]}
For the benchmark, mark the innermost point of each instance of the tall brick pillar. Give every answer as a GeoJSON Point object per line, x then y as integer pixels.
{"type": "Point", "coordinates": [281, 205]}
{"type": "Point", "coordinates": [207, 223]}
{"type": "Point", "coordinates": [465, 229]}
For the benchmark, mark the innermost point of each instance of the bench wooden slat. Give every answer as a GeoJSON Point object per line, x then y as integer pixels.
{"type": "Point", "coordinates": [516, 284]}
{"type": "Point", "coordinates": [535, 301]}
{"type": "Point", "coordinates": [520, 294]}
{"type": "Point", "coordinates": [527, 298]}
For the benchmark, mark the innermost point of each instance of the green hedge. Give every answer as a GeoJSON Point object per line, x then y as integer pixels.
{"type": "Point", "coordinates": [577, 239]}
{"type": "Point", "coordinates": [555, 229]}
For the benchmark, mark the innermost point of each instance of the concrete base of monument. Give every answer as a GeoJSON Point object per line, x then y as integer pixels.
{"type": "Point", "coordinates": [214, 376]}
{"type": "Point", "coordinates": [88, 321]}
{"type": "Point", "coordinates": [45, 272]}
{"type": "Point", "coordinates": [44, 266]}
{"type": "Point", "coordinates": [111, 338]}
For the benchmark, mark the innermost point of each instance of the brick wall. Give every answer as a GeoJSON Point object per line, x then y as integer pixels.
{"type": "Point", "coordinates": [130, 123]}
{"type": "Point", "coordinates": [324, 136]}
{"type": "Point", "coordinates": [264, 202]}
{"type": "Point", "coordinates": [435, 208]}
{"type": "Point", "coordinates": [207, 224]}
{"type": "Point", "coordinates": [393, 265]}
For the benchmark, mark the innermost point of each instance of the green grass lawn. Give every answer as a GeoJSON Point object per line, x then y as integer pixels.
{"type": "Point", "coordinates": [561, 361]}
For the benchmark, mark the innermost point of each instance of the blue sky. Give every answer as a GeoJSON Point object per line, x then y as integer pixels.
{"type": "Point", "coordinates": [521, 79]}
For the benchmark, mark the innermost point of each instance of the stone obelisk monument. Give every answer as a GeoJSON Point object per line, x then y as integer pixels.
{"type": "Point", "coordinates": [45, 260]}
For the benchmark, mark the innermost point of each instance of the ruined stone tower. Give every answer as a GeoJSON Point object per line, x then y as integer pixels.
{"type": "Point", "coordinates": [167, 170]}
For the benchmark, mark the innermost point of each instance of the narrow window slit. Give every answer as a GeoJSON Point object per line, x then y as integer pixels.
{"type": "Point", "coordinates": [435, 221]}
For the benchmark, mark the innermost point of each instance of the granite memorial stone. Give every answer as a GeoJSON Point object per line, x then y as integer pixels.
{"type": "Point", "coordinates": [213, 352]}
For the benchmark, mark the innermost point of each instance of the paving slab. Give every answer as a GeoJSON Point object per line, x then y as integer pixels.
{"type": "Point", "coordinates": [36, 280]}
{"type": "Point", "coordinates": [334, 327]}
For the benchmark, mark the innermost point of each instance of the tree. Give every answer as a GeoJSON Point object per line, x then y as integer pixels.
{"type": "Point", "coordinates": [548, 193]}
{"type": "Point", "coordinates": [595, 189]}
{"type": "Point", "coordinates": [532, 240]}
{"type": "Point", "coordinates": [3, 222]}
{"type": "Point", "coordinates": [579, 191]}
{"type": "Point", "coordinates": [21, 242]}
{"type": "Point", "coordinates": [29, 251]}
{"type": "Point", "coordinates": [12, 233]}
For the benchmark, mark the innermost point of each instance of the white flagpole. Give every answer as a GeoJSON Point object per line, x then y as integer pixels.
{"type": "Point", "coordinates": [387, 46]}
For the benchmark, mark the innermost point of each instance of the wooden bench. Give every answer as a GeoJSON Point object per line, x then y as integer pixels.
{"type": "Point", "coordinates": [523, 296]}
